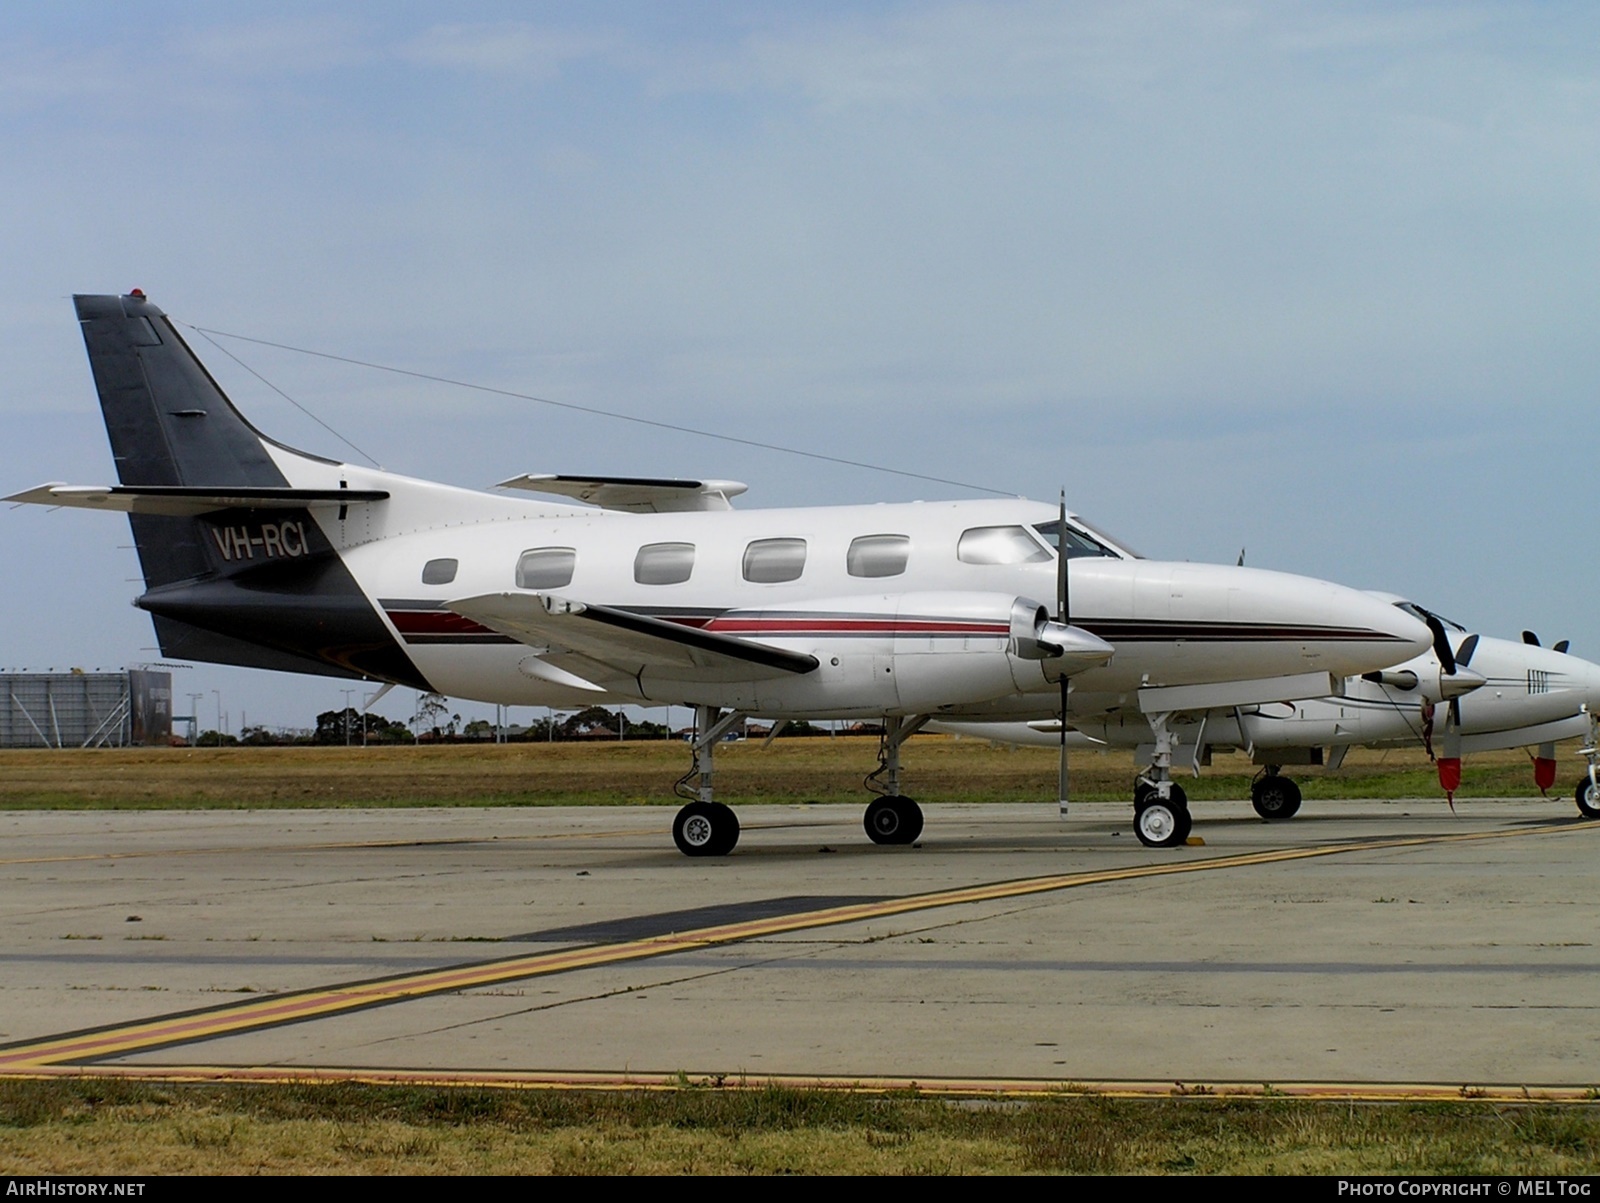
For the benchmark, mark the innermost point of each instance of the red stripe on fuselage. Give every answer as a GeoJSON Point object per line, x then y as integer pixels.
{"type": "Point", "coordinates": [851, 626]}
{"type": "Point", "coordinates": [435, 622]}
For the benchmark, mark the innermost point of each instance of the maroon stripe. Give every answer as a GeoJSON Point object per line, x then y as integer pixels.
{"type": "Point", "coordinates": [435, 622]}
{"type": "Point", "coordinates": [882, 626]}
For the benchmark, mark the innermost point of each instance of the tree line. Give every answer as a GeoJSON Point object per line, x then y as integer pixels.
{"type": "Point", "coordinates": [434, 722]}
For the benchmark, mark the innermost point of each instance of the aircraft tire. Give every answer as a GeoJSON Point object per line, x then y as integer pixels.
{"type": "Point", "coordinates": [1161, 824]}
{"type": "Point", "coordinates": [1275, 797]}
{"type": "Point", "coordinates": [1587, 798]}
{"type": "Point", "coordinates": [892, 820]}
{"type": "Point", "coordinates": [705, 829]}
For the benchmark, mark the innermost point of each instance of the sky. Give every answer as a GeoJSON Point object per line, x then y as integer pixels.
{"type": "Point", "coordinates": [1316, 281]}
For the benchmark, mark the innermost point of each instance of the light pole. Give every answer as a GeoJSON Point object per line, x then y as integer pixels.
{"type": "Point", "coordinates": [194, 718]}
{"type": "Point", "coordinates": [346, 715]}
{"type": "Point", "coordinates": [218, 692]}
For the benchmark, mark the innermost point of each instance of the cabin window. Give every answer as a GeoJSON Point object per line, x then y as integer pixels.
{"type": "Point", "coordinates": [771, 561]}
{"type": "Point", "coordinates": [878, 555]}
{"type": "Point", "coordinates": [439, 572]}
{"type": "Point", "coordinates": [663, 563]}
{"type": "Point", "coordinates": [999, 545]}
{"type": "Point", "coordinates": [546, 568]}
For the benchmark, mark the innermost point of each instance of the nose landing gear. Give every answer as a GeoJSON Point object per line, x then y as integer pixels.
{"type": "Point", "coordinates": [1160, 807]}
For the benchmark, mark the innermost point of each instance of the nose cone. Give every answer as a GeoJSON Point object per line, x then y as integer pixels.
{"type": "Point", "coordinates": [1587, 674]}
{"type": "Point", "coordinates": [1363, 626]}
{"type": "Point", "coordinates": [1335, 629]}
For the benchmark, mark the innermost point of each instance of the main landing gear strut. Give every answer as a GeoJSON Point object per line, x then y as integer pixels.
{"type": "Point", "coordinates": [1160, 807]}
{"type": "Point", "coordinates": [891, 817]}
{"type": "Point", "coordinates": [706, 827]}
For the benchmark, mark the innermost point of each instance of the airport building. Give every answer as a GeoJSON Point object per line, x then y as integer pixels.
{"type": "Point", "coordinates": [85, 710]}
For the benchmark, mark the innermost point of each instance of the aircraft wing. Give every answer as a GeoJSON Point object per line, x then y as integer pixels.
{"type": "Point", "coordinates": [186, 501]}
{"type": "Point", "coordinates": [636, 494]}
{"type": "Point", "coordinates": [626, 643]}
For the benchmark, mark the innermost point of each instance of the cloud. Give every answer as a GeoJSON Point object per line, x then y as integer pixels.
{"type": "Point", "coordinates": [502, 48]}
{"type": "Point", "coordinates": [282, 45]}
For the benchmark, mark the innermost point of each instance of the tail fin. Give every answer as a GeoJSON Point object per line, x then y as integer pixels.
{"type": "Point", "coordinates": [294, 608]}
{"type": "Point", "coordinates": [169, 423]}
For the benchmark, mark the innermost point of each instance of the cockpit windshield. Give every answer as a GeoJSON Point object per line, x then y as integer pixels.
{"type": "Point", "coordinates": [1421, 615]}
{"type": "Point", "coordinates": [1079, 542]}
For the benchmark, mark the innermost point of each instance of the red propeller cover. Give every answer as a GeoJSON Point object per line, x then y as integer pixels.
{"type": "Point", "coordinates": [1544, 773]}
{"type": "Point", "coordinates": [1449, 773]}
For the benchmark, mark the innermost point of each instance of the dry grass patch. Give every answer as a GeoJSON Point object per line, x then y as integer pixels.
{"type": "Point", "coordinates": [939, 769]}
{"type": "Point", "coordinates": [92, 1127]}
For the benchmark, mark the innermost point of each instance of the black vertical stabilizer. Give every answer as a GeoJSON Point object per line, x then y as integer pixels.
{"type": "Point", "coordinates": [293, 607]}
{"type": "Point", "coordinates": [169, 424]}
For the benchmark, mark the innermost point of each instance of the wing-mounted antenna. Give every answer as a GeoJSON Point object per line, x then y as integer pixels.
{"type": "Point", "coordinates": [634, 494]}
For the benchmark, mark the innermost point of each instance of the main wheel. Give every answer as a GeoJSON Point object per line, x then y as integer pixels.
{"type": "Point", "coordinates": [1588, 798]}
{"type": "Point", "coordinates": [892, 820]}
{"type": "Point", "coordinates": [1161, 824]}
{"type": "Point", "coordinates": [705, 829]}
{"type": "Point", "coordinates": [1275, 797]}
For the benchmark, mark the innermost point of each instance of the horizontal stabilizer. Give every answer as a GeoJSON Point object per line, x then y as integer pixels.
{"type": "Point", "coordinates": [187, 501]}
{"type": "Point", "coordinates": [626, 642]}
{"type": "Point", "coordinates": [634, 494]}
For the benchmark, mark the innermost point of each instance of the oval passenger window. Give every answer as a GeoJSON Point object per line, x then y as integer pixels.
{"type": "Point", "coordinates": [546, 567]}
{"type": "Point", "coordinates": [439, 572]}
{"type": "Point", "coordinates": [772, 561]}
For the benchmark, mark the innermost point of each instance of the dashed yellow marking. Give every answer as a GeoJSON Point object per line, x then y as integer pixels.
{"type": "Point", "coordinates": [254, 1015]}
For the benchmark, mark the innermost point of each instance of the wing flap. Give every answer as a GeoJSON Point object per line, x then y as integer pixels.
{"type": "Point", "coordinates": [625, 642]}
{"type": "Point", "coordinates": [634, 494]}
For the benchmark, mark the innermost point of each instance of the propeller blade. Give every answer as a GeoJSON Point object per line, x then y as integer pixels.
{"type": "Point", "coordinates": [1530, 638]}
{"type": "Point", "coordinates": [1064, 617]}
{"type": "Point", "coordinates": [1562, 646]}
{"type": "Point", "coordinates": [1441, 645]}
{"type": "Point", "coordinates": [1468, 646]}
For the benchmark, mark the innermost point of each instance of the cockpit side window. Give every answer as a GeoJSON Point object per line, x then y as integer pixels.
{"type": "Point", "coordinates": [878, 555]}
{"type": "Point", "coordinates": [999, 545]}
{"type": "Point", "coordinates": [546, 567]}
{"type": "Point", "coordinates": [1079, 542]}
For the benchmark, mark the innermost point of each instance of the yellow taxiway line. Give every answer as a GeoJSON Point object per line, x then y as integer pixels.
{"type": "Point", "coordinates": [256, 1014]}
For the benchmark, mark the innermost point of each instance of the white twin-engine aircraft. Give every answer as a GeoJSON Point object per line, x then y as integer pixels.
{"type": "Point", "coordinates": [658, 592]}
{"type": "Point", "coordinates": [1471, 694]}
